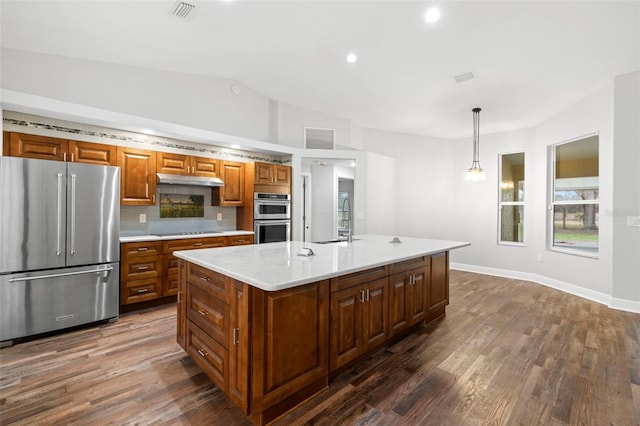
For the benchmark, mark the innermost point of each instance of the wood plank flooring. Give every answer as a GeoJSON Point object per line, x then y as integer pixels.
{"type": "Point", "coordinates": [508, 352]}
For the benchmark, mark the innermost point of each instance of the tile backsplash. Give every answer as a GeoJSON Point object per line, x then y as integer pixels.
{"type": "Point", "coordinates": [130, 215]}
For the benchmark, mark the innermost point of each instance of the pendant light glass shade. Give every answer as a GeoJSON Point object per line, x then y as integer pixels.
{"type": "Point", "coordinates": [475, 173]}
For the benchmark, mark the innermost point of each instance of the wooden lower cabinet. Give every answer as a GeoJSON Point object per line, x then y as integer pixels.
{"type": "Point", "coordinates": [408, 294]}
{"type": "Point", "coordinates": [359, 321]}
{"type": "Point", "coordinates": [149, 270]}
{"type": "Point", "coordinates": [271, 351]}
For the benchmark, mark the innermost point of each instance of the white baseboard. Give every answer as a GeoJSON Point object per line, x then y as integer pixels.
{"type": "Point", "coordinates": [605, 299]}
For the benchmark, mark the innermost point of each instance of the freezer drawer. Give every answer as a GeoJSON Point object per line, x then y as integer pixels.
{"type": "Point", "coordinates": [39, 302]}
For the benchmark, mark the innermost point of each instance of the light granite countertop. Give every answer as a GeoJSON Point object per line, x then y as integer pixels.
{"type": "Point", "coordinates": [277, 266]}
{"type": "Point", "coordinates": [177, 236]}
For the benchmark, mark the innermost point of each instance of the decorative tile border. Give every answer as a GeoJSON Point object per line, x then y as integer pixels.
{"type": "Point", "coordinates": [150, 140]}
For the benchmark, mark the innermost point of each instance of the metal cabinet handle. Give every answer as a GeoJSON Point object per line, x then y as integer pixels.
{"type": "Point", "coordinates": [203, 313]}
{"type": "Point", "coordinates": [143, 248]}
{"type": "Point", "coordinates": [64, 156]}
{"type": "Point", "coordinates": [73, 214]}
{"type": "Point", "coordinates": [204, 278]}
{"type": "Point", "coordinates": [362, 296]}
{"type": "Point", "coordinates": [197, 244]}
{"type": "Point", "coordinates": [143, 290]}
{"type": "Point", "coordinates": [202, 353]}
{"type": "Point", "coordinates": [236, 335]}
{"type": "Point", "coordinates": [142, 268]}
{"type": "Point", "coordinates": [72, 160]}
{"type": "Point", "coordinates": [59, 212]}
{"type": "Point", "coordinates": [368, 295]}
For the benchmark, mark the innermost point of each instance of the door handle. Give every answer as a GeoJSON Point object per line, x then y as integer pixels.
{"type": "Point", "coordinates": [73, 214]}
{"type": "Point", "coordinates": [59, 211]}
{"type": "Point", "coordinates": [65, 274]}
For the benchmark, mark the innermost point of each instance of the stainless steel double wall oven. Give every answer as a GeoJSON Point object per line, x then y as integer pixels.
{"type": "Point", "coordinates": [272, 217]}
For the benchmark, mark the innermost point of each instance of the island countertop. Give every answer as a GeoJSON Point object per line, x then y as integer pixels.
{"type": "Point", "coordinates": [278, 266]}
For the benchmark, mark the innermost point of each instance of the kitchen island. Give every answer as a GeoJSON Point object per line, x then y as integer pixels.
{"type": "Point", "coordinates": [271, 323]}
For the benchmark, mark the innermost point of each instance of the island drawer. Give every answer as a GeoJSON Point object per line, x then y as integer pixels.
{"type": "Point", "coordinates": [418, 262]}
{"type": "Point", "coordinates": [209, 313]}
{"type": "Point", "coordinates": [209, 281]}
{"type": "Point", "coordinates": [208, 354]}
{"type": "Point", "coordinates": [357, 278]}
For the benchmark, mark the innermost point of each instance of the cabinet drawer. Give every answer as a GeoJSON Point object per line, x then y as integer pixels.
{"type": "Point", "coordinates": [238, 240]}
{"type": "Point", "coordinates": [418, 262]}
{"type": "Point", "coordinates": [141, 249]}
{"type": "Point", "coordinates": [350, 280]}
{"type": "Point", "coordinates": [140, 290]}
{"type": "Point", "coordinates": [208, 354]}
{"type": "Point", "coordinates": [209, 313]}
{"type": "Point", "coordinates": [141, 267]}
{"type": "Point", "coordinates": [170, 246]}
{"type": "Point", "coordinates": [209, 281]}
{"type": "Point", "coordinates": [170, 284]}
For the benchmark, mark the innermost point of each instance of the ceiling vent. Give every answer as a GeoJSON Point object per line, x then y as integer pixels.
{"type": "Point", "coordinates": [181, 9]}
{"type": "Point", "coordinates": [464, 77]}
{"type": "Point", "coordinates": [315, 138]}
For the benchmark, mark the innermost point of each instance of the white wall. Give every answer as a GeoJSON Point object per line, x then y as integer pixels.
{"type": "Point", "coordinates": [292, 120]}
{"type": "Point", "coordinates": [626, 190]}
{"type": "Point", "coordinates": [189, 100]}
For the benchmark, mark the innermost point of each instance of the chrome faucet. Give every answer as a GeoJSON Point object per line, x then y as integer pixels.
{"type": "Point", "coordinates": [346, 203]}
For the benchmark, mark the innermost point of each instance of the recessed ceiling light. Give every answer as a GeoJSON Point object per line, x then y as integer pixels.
{"type": "Point", "coordinates": [432, 15]}
{"type": "Point", "coordinates": [352, 58]}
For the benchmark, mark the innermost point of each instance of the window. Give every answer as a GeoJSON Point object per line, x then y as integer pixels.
{"type": "Point", "coordinates": [511, 217]}
{"type": "Point", "coordinates": [575, 197]}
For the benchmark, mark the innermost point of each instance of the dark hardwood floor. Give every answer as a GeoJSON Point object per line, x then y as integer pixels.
{"type": "Point", "coordinates": [508, 352]}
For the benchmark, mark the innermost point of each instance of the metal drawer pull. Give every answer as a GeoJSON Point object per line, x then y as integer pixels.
{"type": "Point", "coordinates": [143, 290]}
{"type": "Point", "coordinates": [203, 313]}
{"type": "Point", "coordinates": [203, 278]}
{"type": "Point", "coordinates": [362, 296]}
{"type": "Point", "coordinates": [143, 248]}
{"type": "Point", "coordinates": [202, 353]}
{"type": "Point", "coordinates": [367, 295]}
{"type": "Point", "coordinates": [197, 244]}
{"type": "Point", "coordinates": [236, 335]}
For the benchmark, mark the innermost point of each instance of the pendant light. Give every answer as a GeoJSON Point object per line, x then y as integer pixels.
{"type": "Point", "coordinates": [476, 172]}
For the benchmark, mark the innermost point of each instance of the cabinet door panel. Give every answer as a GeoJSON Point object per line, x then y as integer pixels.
{"type": "Point", "coordinates": [208, 354]}
{"type": "Point", "coordinates": [92, 153]}
{"type": "Point", "coordinates": [282, 175]}
{"type": "Point", "coordinates": [202, 166]}
{"type": "Point", "coordinates": [418, 305]}
{"type": "Point", "coordinates": [291, 336]}
{"type": "Point", "coordinates": [34, 146]}
{"type": "Point", "coordinates": [439, 294]}
{"type": "Point", "coordinates": [137, 176]}
{"type": "Point", "coordinates": [239, 347]}
{"type": "Point", "coordinates": [209, 313]}
{"type": "Point", "coordinates": [176, 164]}
{"type": "Point", "coordinates": [232, 193]}
{"type": "Point", "coordinates": [346, 326]}
{"type": "Point", "coordinates": [376, 313]}
{"type": "Point", "coordinates": [398, 303]}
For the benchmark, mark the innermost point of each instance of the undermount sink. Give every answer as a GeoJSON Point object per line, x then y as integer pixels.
{"type": "Point", "coordinates": [338, 240]}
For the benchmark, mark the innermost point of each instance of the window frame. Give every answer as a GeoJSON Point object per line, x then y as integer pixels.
{"type": "Point", "coordinates": [501, 203]}
{"type": "Point", "coordinates": [552, 203]}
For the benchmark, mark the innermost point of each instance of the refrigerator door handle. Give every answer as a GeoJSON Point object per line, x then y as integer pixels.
{"type": "Point", "coordinates": [59, 210]}
{"type": "Point", "coordinates": [65, 274]}
{"type": "Point", "coordinates": [72, 248]}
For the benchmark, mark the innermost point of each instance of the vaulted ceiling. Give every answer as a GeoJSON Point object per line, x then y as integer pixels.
{"type": "Point", "coordinates": [531, 59]}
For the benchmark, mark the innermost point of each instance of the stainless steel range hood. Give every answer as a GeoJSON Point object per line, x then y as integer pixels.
{"type": "Point", "coordinates": [188, 180]}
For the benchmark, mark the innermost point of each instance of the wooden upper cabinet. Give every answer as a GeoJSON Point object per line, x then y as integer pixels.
{"type": "Point", "coordinates": [272, 174]}
{"type": "Point", "coordinates": [48, 148]}
{"type": "Point", "coordinates": [137, 176]}
{"type": "Point", "coordinates": [232, 193]}
{"type": "Point", "coordinates": [93, 153]}
{"type": "Point", "coordinates": [179, 164]}
{"type": "Point", "coordinates": [34, 146]}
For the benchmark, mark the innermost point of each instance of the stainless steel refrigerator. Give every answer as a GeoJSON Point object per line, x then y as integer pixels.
{"type": "Point", "coordinates": [59, 245]}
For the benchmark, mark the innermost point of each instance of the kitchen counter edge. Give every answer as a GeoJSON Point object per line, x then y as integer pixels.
{"type": "Point", "coordinates": [141, 238]}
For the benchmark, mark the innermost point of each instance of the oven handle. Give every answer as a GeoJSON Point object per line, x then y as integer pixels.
{"type": "Point", "coordinates": [272, 222]}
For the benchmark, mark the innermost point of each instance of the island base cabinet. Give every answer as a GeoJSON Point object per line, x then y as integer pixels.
{"type": "Point", "coordinates": [290, 337]}
{"type": "Point", "coordinates": [439, 285]}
